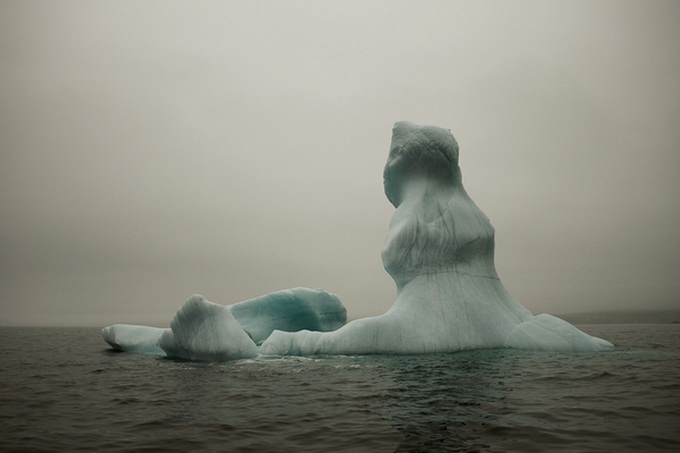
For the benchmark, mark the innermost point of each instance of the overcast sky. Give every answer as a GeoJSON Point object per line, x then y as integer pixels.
{"type": "Point", "coordinates": [152, 150]}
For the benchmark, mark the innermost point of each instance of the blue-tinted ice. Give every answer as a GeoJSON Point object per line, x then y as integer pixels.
{"type": "Point", "coordinates": [440, 252]}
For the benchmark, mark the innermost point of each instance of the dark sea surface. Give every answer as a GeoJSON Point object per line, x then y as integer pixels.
{"type": "Point", "coordinates": [64, 390]}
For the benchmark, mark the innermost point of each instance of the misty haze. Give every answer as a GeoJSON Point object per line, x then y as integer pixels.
{"type": "Point", "coordinates": [151, 151]}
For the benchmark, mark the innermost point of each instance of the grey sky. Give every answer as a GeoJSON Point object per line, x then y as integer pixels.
{"type": "Point", "coordinates": [151, 150]}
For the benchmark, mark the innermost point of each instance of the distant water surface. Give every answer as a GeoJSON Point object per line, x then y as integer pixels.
{"type": "Point", "coordinates": [64, 390]}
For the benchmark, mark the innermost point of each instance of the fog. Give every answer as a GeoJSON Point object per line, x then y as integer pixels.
{"type": "Point", "coordinates": [152, 150]}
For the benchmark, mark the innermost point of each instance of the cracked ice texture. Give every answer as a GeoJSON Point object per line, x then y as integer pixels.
{"type": "Point", "coordinates": [440, 252]}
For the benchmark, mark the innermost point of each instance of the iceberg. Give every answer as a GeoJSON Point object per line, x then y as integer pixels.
{"type": "Point", "coordinates": [440, 252]}
{"type": "Point", "coordinates": [205, 331]}
{"type": "Point", "coordinates": [290, 310]}
{"type": "Point", "coordinates": [202, 330]}
{"type": "Point", "coordinates": [548, 333]}
{"type": "Point", "coordinates": [132, 338]}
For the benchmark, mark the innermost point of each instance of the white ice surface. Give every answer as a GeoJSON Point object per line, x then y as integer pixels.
{"type": "Point", "coordinates": [290, 310]}
{"type": "Point", "coordinates": [202, 330]}
{"type": "Point", "coordinates": [131, 338]}
{"type": "Point", "coordinates": [549, 333]}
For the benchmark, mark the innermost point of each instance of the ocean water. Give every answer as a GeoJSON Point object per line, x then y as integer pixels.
{"type": "Point", "coordinates": [64, 390]}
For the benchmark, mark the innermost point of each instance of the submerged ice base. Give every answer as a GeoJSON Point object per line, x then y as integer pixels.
{"type": "Point", "coordinates": [440, 252]}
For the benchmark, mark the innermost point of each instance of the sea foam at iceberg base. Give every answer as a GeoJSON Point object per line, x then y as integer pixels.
{"type": "Point", "coordinates": [440, 252]}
